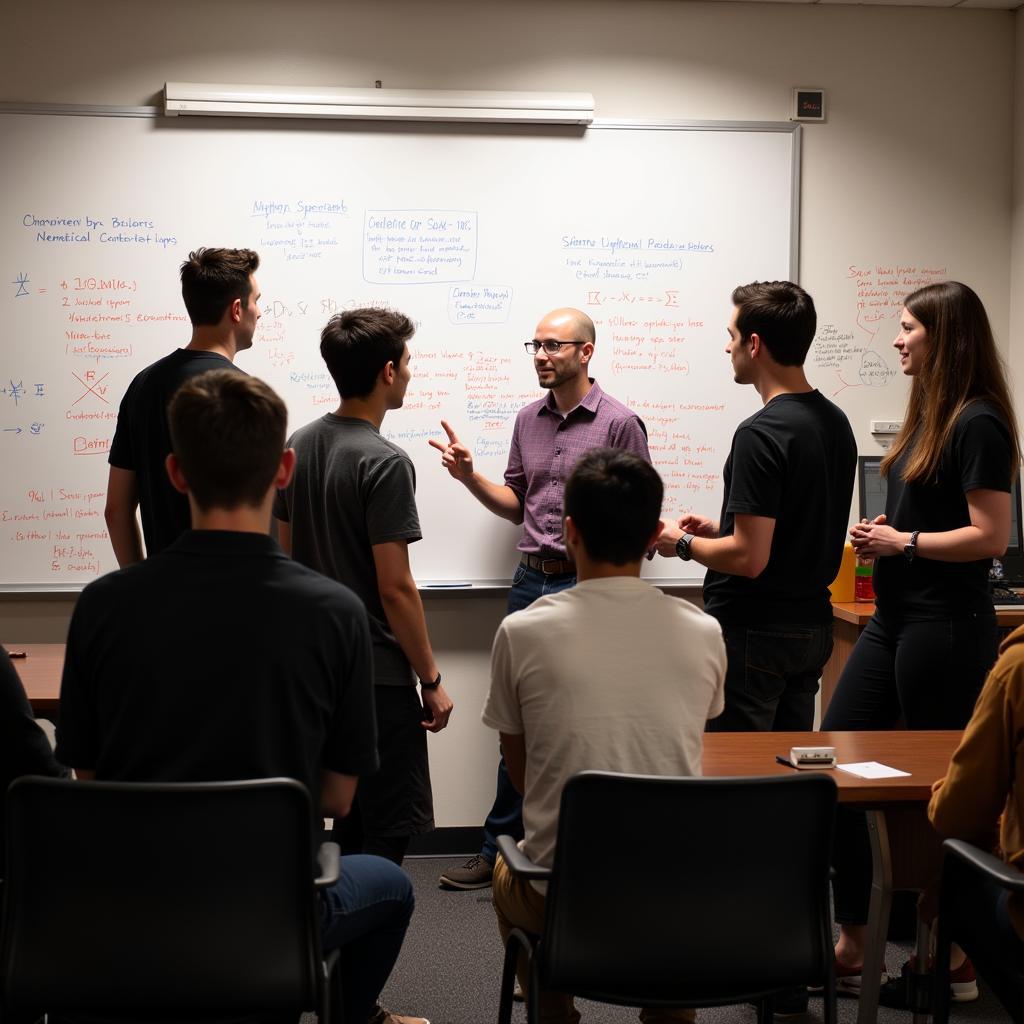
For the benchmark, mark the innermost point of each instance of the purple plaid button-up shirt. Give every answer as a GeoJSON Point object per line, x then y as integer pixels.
{"type": "Point", "coordinates": [545, 448]}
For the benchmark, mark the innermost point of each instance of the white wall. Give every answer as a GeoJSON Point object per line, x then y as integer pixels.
{"type": "Point", "coordinates": [915, 162]}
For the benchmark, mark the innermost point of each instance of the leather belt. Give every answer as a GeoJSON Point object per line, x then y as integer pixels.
{"type": "Point", "coordinates": [550, 566]}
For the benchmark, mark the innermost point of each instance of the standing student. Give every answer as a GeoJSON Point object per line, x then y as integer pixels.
{"type": "Point", "coordinates": [548, 439]}
{"type": "Point", "coordinates": [924, 654]}
{"type": "Point", "coordinates": [788, 485]}
{"type": "Point", "coordinates": [221, 296]}
{"type": "Point", "coordinates": [220, 658]}
{"type": "Point", "coordinates": [350, 513]}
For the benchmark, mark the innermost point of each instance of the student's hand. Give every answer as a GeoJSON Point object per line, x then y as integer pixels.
{"type": "Point", "coordinates": [455, 456]}
{"type": "Point", "coordinates": [859, 537]}
{"type": "Point", "coordinates": [698, 526]}
{"type": "Point", "coordinates": [440, 706]}
{"type": "Point", "coordinates": [872, 540]}
{"type": "Point", "coordinates": [666, 542]}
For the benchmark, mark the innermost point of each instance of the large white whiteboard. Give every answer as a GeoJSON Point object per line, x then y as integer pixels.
{"type": "Point", "coordinates": [475, 233]}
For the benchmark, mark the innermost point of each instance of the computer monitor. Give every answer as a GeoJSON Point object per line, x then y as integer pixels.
{"type": "Point", "coordinates": [871, 491]}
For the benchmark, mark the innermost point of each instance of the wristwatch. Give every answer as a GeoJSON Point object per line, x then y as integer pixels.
{"type": "Point", "coordinates": [424, 685]}
{"type": "Point", "coordinates": [909, 550]}
{"type": "Point", "coordinates": [683, 546]}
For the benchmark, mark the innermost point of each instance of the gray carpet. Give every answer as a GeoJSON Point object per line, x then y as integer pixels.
{"type": "Point", "coordinates": [450, 967]}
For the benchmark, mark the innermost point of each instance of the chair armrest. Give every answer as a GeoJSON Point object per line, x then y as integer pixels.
{"type": "Point", "coordinates": [329, 859]}
{"type": "Point", "coordinates": [518, 863]}
{"type": "Point", "coordinates": [1004, 875]}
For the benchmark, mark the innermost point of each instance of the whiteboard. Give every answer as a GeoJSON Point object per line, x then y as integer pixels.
{"type": "Point", "coordinates": [474, 232]}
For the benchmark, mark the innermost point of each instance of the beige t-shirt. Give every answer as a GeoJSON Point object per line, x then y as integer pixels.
{"type": "Point", "coordinates": [612, 675]}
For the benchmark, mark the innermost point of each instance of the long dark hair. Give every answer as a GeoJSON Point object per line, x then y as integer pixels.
{"type": "Point", "coordinates": [962, 365]}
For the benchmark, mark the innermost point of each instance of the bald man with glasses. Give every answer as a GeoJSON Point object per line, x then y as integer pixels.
{"type": "Point", "coordinates": [549, 437]}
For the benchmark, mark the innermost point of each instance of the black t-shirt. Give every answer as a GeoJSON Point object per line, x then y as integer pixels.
{"type": "Point", "coordinates": [142, 441]}
{"type": "Point", "coordinates": [24, 748]}
{"type": "Point", "coordinates": [220, 658]}
{"type": "Point", "coordinates": [978, 457]}
{"type": "Point", "coordinates": [352, 489]}
{"type": "Point", "coordinates": [792, 461]}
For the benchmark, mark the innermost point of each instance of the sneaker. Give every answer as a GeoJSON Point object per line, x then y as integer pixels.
{"type": "Point", "coordinates": [963, 983]}
{"type": "Point", "coordinates": [911, 989]}
{"type": "Point", "coordinates": [474, 874]}
{"type": "Point", "coordinates": [382, 1016]}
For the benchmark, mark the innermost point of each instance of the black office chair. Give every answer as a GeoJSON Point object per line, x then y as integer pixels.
{"type": "Point", "coordinates": [965, 870]}
{"type": "Point", "coordinates": [682, 892]}
{"type": "Point", "coordinates": [173, 901]}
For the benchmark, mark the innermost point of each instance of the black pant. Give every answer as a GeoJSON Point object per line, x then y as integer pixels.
{"type": "Point", "coordinates": [928, 674]}
{"type": "Point", "coordinates": [772, 676]}
{"type": "Point", "coordinates": [394, 803]}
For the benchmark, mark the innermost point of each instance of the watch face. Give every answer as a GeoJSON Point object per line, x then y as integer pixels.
{"type": "Point", "coordinates": [683, 548]}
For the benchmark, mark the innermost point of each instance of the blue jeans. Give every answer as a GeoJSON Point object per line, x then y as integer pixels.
{"type": "Point", "coordinates": [506, 814]}
{"type": "Point", "coordinates": [365, 914]}
{"type": "Point", "coordinates": [772, 676]}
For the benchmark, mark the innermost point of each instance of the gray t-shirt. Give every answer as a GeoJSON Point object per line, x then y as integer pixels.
{"type": "Point", "coordinates": [352, 489]}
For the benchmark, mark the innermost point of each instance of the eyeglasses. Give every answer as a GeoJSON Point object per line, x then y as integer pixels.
{"type": "Point", "coordinates": [550, 347]}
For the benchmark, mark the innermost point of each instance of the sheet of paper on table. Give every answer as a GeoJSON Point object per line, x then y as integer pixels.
{"type": "Point", "coordinates": [872, 770]}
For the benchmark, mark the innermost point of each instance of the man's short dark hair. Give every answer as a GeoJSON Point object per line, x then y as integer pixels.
{"type": "Point", "coordinates": [781, 314]}
{"type": "Point", "coordinates": [614, 498]}
{"type": "Point", "coordinates": [358, 344]}
{"type": "Point", "coordinates": [228, 433]}
{"type": "Point", "coordinates": [211, 279]}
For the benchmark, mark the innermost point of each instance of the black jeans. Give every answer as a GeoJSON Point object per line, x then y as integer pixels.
{"type": "Point", "coordinates": [772, 677]}
{"type": "Point", "coordinates": [928, 674]}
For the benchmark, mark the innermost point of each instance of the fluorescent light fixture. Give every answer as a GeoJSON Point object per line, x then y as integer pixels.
{"type": "Point", "coordinates": [378, 104]}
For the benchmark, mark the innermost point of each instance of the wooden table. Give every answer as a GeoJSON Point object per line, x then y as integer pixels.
{"type": "Point", "coordinates": [892, 805]}
{"type": "Point", "coordinates": [40, 674]}
{"type": "Point", "coordinates": [848, 621]}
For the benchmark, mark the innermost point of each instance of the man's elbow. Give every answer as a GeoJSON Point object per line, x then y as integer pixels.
{"type": "Point", "coordinates": [751, 565]}
{"type": "Point", "coordinates": [393, 593]}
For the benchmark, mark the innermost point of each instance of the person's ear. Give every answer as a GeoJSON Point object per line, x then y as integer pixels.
{"type": "Point", "coordinates": [286, 469]}
{"type": "Point", "coordinates": [571, 536]}
{"type": "Point", "coordinates": [176, 476]}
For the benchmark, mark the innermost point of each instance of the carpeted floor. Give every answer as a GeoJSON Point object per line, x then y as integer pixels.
{"type": "Point", "coordinates": [450, 967]}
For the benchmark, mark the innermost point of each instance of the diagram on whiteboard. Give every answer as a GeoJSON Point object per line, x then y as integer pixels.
{"type": "Point", "coordinates": [858, 351]}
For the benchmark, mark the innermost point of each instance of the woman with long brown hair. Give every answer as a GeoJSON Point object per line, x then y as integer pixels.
{"type": "Point", "coordinates": [924, 654]}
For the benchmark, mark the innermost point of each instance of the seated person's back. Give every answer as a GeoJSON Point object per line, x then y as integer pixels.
{"type": "Point", "coordinates": [220, 658]}
{"type": "Point", "coordinates": [612, 674]}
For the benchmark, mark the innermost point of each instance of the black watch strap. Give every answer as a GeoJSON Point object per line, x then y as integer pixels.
{"type": "Point", "coordinates": [683, 546]}
{"type": "Point", "coordinates": [424, 685]}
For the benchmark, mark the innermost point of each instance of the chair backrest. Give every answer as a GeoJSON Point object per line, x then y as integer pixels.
{"type": "Point", "coordinates": [673, 889]}
{"type": "Point", "coordinates": [159, 899]}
